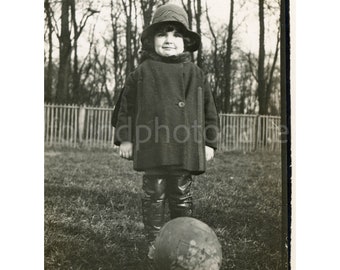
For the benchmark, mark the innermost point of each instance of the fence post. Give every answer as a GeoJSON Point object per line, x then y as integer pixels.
{"type": "Point", "coordinates": [81, 122]}
{"type": "Point", "coordinates": [257, 120]}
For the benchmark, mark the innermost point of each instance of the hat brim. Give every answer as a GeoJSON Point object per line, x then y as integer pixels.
{"type": "Point", "coordinates": [195, 39]}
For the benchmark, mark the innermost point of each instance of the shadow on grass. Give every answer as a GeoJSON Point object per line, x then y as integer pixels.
{"type": "Point", "coordinates": [245, 231]}
{"type": "Point", "coordinates": [87, 229]}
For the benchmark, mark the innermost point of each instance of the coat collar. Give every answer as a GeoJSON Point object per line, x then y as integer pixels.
{"type": "Point", "coordinates": [181, 58]}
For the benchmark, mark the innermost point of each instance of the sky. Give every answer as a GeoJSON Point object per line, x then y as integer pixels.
{"type": "Point", "coordinates": [247, 17]}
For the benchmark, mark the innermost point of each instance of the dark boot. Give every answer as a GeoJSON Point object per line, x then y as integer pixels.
{"type": "Point", "coordinates": [153, 204]}
{"type": "Point", "coordinates": [180, 196]}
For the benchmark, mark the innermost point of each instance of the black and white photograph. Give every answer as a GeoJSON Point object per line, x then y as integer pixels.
{"type": "Point", "coordinates": [167, 135]}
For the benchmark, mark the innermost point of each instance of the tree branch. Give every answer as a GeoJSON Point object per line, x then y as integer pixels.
{"type": "Point", "coordinates": [250, 62]}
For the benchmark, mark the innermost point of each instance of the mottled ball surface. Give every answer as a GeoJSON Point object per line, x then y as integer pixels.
{"type": "Point", "coordinates": [188, 244]}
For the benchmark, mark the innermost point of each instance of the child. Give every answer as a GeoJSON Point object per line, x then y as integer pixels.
{"type": "Point", "coordinates": [167, 121]}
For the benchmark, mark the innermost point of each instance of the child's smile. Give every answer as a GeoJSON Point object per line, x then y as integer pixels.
{"type": "Point", "coordinates": [169, 43]}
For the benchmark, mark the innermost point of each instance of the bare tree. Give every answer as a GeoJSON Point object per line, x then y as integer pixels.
{"type": "Point", "coordinates": [102, 71]}
{"type": "Point", "coordinates": [264, 75]}
{"type": "Point", "coordinates": [246, 82]}
{"type": "Point", "coordinates": [127, 5]}
{"type": "Point", "coordinates": [135, 37]}
{"type": "Point", "coordinates": [49, 75]}
{"type": "Point", "coordinates": [68, 85]}
{"type": "Point", "coordinates": [214, 51]}
{"type": "Point", "coordinates": [115, 14]}
{"type": "Point", "coordinates": [86, 68]}
{"type": "Point", "coordinates": [260, 68]}
{"type": "Point", "coordinates": [198, 14]}
{"type": "Point", "coordinates": [147, 11]}
{"type": "Point", "coordinates": [188, 8]}
{"type": "Point", "coordinates": [269, 84]}
{"type": "Point", "coordinates": [78, 29]}
{"type": "Point", "coordinates": [65, 48]}
{"type": "Point", "coordinates": [227, 68]}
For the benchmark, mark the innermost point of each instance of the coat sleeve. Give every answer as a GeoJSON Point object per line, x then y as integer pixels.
{"type": "Point", "coordinates": [123, 131]}
{"type": "Point", "coordinates": [211, 117]}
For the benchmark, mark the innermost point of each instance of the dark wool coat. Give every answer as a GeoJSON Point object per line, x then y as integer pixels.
{"type": "Point", "coordinates": [167, 110]}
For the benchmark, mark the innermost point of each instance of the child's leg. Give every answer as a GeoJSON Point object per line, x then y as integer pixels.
{"type": "Point", "coordinates": [153, 204]}
{"type": "Point", "coordinates": [179, 195]}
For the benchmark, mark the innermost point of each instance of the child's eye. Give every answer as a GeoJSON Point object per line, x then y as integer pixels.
{"type": "Point", "coordinates": [160, 34]}
{"type": "Point", "coordinates": [178, 35]}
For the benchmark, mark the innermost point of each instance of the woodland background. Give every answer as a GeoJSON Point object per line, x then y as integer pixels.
{"type": "Point", "coordinates": [91, 46]}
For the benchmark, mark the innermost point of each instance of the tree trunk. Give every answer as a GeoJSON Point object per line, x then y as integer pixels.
{"type": "Point", "coordinates": [64, 56]}
{"type": "Point", "coordinates": [216, 69]}
{"type": "Point", "coordinates": [135, 38]}
{"type": "Point", "coordinates": [260, 75]}
{"type": "Point", "coordinates": [198, 14]}
{"type": "Point", "coordinates": [77, 96]}
{"type": "Point", "coordinates": [188, 10]}
{"type": "Point", "coordinates": [227, 68]}
{"type": "Point", "coordinates": [76, 90]}
{"type": "Point", "coordinates": [114, 24]}
{"type": "Point", "coordinates": [128, 30]}
{"type": "Point", "coordinates": [105, 72]}
{"type": "Point", "coordinates": [271, 75]}
{"type": "Point", "coordinates": [49, 73]}
{"type": "Point", "coordinates": [243, 95]}
{"type": "Point", "coordinates": [147, 8]}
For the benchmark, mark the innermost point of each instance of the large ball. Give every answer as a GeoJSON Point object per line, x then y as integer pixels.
{"type": "Point", "coordinates": [187, 243]}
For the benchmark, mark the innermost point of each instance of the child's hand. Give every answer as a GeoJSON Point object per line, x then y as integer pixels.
{"type": "Point", "coordinates": [209, 153]}
{"type": "Point", "coordinates": [125, 150]}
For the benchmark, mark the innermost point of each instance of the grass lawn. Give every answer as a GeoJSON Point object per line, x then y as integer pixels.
{"type": "Point", "coordinates": [93, 210]}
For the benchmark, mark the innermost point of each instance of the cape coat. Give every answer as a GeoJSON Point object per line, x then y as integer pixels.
{"type": "Point", "coordinates": [168, 112]}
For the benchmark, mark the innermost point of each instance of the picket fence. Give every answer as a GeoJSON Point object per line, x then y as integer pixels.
{"type": "Point", "coordinates": [82, 126]}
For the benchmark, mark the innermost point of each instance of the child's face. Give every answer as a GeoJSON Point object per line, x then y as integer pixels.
{"type": "Point", "coordinates": [169, 43]}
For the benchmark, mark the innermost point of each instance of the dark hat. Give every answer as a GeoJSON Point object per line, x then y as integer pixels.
{"type": "Point", "coordinates": [177, 15]}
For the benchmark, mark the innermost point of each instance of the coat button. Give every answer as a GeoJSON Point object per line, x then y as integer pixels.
{"type": "Point", "coordinates": [181, 104]}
